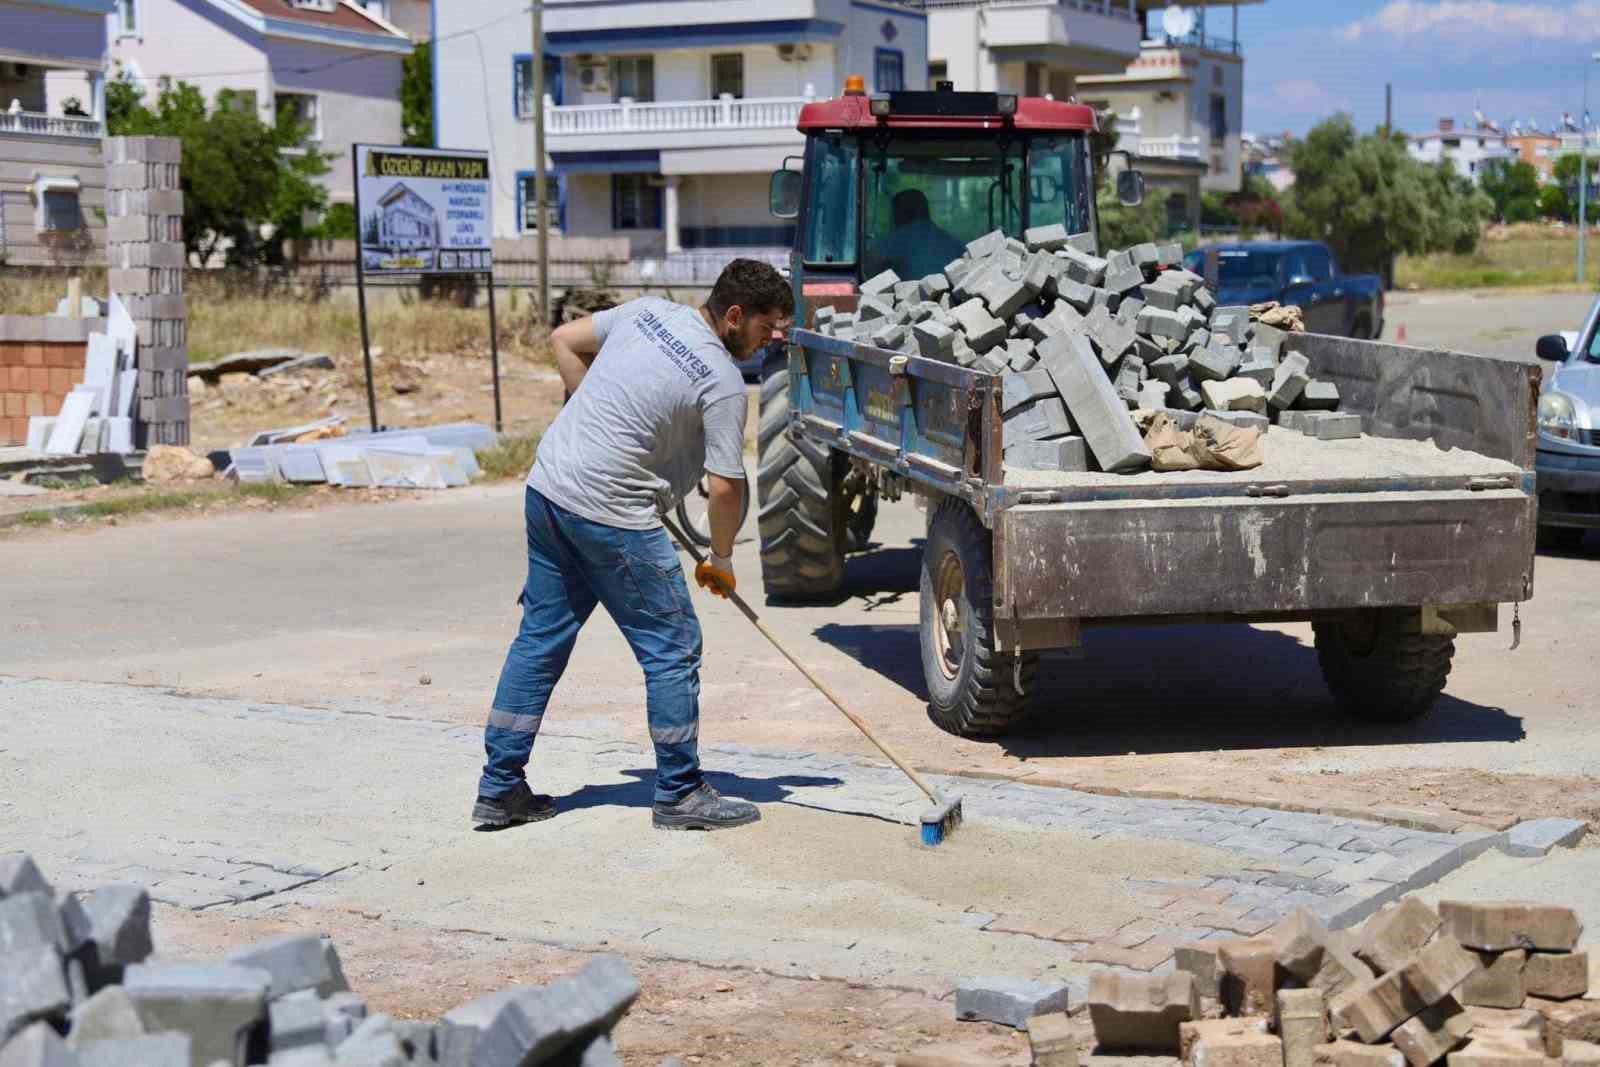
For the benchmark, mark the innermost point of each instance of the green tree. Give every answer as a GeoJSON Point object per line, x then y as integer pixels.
{"type": "Point", "coordinates": [1370, 201]}
{"type": "Point", "coordinates": [1553, 203]}
{"type": "Point", "coordinates": [1124, 227]}
{"type": "Point", "coordinates": [1514, 188]}
{"type": "Point", "coordinates": [248, 187]}
{"type": "Point", "coordinates": [416, 97]}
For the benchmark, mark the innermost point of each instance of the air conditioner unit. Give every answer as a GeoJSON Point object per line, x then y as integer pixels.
{"type": "Point", "coordinates": [794, 53]}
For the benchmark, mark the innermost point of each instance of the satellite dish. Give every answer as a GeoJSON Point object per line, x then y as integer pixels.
{"type": "Point", "coordinates": [1177, 21]}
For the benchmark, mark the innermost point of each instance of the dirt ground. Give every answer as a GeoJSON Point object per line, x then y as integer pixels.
{"type": "Point", "coordinates": [702, 1015]}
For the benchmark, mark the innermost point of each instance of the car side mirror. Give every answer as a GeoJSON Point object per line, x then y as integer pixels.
{"type": "Point", "coordinates": [1552, 348]}
{"type": "Point", "coordinates": [783, 194]}
{"type": "Point", "coordinates": [1130, 188]}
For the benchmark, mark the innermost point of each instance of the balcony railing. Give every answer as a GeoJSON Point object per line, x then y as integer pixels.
{"type": "Point", "coordinates": [1121, 9]}
{"type": "Point", "coordinates": [1130, 139]}
{"type": "Point", "coordinates": [1195, 39]}
{"type": "Point", "coordinates": [628, 116]}
{"type": "Point", "coordinates": [37, 125]}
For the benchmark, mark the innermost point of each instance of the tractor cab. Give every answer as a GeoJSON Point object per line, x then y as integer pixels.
{"type": "Point", "coordinates": [902, 181]}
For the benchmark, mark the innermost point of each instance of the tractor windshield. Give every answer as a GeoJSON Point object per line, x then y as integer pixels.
{"type": "Point", "coordinates": [915, 201]}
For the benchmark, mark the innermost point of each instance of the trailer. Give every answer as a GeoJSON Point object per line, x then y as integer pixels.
{"type": "Point", "coordinates": [1390, 544]}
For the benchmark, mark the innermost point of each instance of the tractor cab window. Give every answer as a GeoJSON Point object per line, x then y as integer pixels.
{"type": "Point", "coordinates": [1059, 183]}
{"type": "Point", "coordinates": [829, 234]}
{"type": "Point", "coordinates": [926, 198]}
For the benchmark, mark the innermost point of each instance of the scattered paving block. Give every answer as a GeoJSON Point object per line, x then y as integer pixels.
{"type": "Point", "coordinates": [527, 1024]}
{"type": "Point", "coordinates": [1391, 936]}
{"type": "Point", "coordinates": [1536, 837]}
{"type": "Point", "coordinates": [1141, 1011]}
{"type": "Point", "coordinates": [983, 330]}
{"type": "Point", "coordinates": [934, 340]}
{"type": "Point", "coordinates": [1201, 338]}
{"type": "Point", "coordinates": [1008, 1001]}
{"type": "Point", "coordinates": [1233, 1043]}
{"type": "Point", "coordinates": [1531, 1040]}
{"type": "Point", "coordinates": [1498, 983]}
{"type": "Point", "coordinates": [1158, 323]}
{"type": "Point", "coordinates": [890, 337]}
{"type": "Point", "coordinates": [372, 1043]}
{"type": "Point", "coordinates": [1556, 975]}
{"type": "Point", "coordinates": [1340, 969]}
{"type": "Point", "coordinates": [297, 1020]}
{"type": "Point", "coordinates": [1301, 1022]}
{"type": "Point", "coordinates": [1018, 389]}
{"type": "Point", "coordinates": [30, 920]}
{"type": "Point", "coordinates": [1268, 337]}
{"type": "Point", "coordinates": [1199, 959]}
{"type": "Point", "coordinates": [1319, 396]}
{"type": "Point", "coordinates": [1166, 297]}
{"type": "Point", "coordinates": [1230, 321]}
{"type": "Point", "coordinates": [1289, 380]}
{"type": "Point", "coordinates": [883, 282]}
{"type": "Point", "coordinates": [907, 292]}
{"type": "Point", "coordinates": [1436, 969]}
{"type": "Point", "coordinates": [33, 987]}
{"type": "Point", "coordinates": [155, 1050]}
{"type": "Point", "coordinates": [1112, 338]}
{"type": "Point", "coordinates": [1037, 420]}
{"type": "Point", "coordinates": [1335, 426]}
{"type": "Point", "coordinates": [211, 1002]}
{"type": "Point", "coordinates": [987, 245]}
{"type": "Point", "coordinates": [1145, 256]}
{"type": "Point", "coordinates": [19, 874]}
{"type": "Point", "coordinates": [108, 1015]}
{"type": "Point", "coordinates": [1005, 295]}
{"type": "Point", "coordinates": [1213, 363]}
{"type": "Point", "coordinates": [1191, 1033]}
{"type": "Point", "coordinates": [1084, 242]}
{"type": "Point", "coordinates": [1260, 371]}
{"type": "Point", "coordinates": [1204, 302]}
{"type": "Point", "coordinates": [119, 920]}
{"type": "Point", "coordinates": [1580, 1054]}
{"type": "Point", "coordinates": [1567, 1020]}
{"type": "Point", "coordinates": [991, 363]}
{"type": "Point", "coordinates": [1355, 1054]}
{"type": "Point", "coordinates": [933, 287]}
{"type": "Point", "coordinates": [1102, 418]}
{"type": "Point", "coordinates": [1375, 1008]}
{"type": "Point", "coordinates": [1075, 294]}
{"type": "Point", "coordinates": [1249, 975]}
{"type": "Point", "coordinates": [1170, 254]}
{"type": "Point", "coordinates": [1085, 268]}
{"type": "Point", "coordinates": [1501, 925]}
{"type": "Point", "coordinates": [1122, 277]}
{"type": "Point", "coordinates": [1236, 394]}
{"type": "Point", "coordinates": [1301, 422]}
{"type": "Point", "coordinates": [1483, 1052]}
{"type": "Point", "coordinates": [1046, 238]}
{"type": "Point", "coordinates": [341, 1014]}
{"type": "Point", "coordinates": [1052, 1040]}
{"type": "Point", "coordinates": [1128, 310]}
{"type": "Point", "coordinates": [1105, 298]}
{"type": "Point", "coordinates": [1427, 1037]}
{"type": "Point", "coordinates": [1153, 394]}
{"type": "Point", "coordinates": [1504, 1018]}
{"type": "Point", "coordinates": [1300, 941]}
{"type": "Point", "coordinates": [295, 962]}
{"type": "Point", "coordinates": [36, 1046]}
{"type": "Point", "coordinates": [1187, 398]}
{"type": "Point", "coordinates": [869, 308]}
{"type": "Point", "coordinates": [1171, 370]}
{"type": "Point", "coordinates": [1056, 454]}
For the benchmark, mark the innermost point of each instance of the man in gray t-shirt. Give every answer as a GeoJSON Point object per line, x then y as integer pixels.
{"type": "Point", "coordinates": [656, 402]}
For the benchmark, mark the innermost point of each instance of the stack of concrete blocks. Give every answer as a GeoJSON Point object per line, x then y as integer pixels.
{"type": "Point", "coordinates": [1081, 341]}
{"type": "Point", "coordinates": [79, 988]}
{"type": "Point", "coordinates": [145, 259]}
{"type": "Point", "coordinates": [1469, 984]}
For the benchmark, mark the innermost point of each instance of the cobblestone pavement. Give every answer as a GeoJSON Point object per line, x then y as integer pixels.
{"type": "Point", "coordinates": [208, 817]}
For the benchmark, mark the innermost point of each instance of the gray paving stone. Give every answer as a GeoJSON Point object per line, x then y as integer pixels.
{"type": "Point", "coordinates": [155, 1050]}
{"type": "Point", "coordinates": [211, 1002]}
{"type": "Point", "coordinates": [33, 986]}
{"type": "Point", "coordinates": [107, 1015]}
{"type": "Point", "coordinates": [1100, 415]}
{"type": "Point", "coordinates": [19, 874]}
{"type": "Point", "coordinates": [36, 1046]}
{"type": "Point", "coordinates": [295, 963]}
{"type": "Point", "coordinates": [1536, 837]}
{"type": "Point", "coordinates": [1008, 1001]}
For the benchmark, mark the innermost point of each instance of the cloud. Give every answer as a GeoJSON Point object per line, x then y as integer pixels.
{"type": "Point", "coordinates": [1298, 96]}
{"type": "Point", "coordinates": [1489, 23]}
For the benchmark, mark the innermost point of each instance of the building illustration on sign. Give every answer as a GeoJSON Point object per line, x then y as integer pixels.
{"type": "Point", "coordinates": [423, 210]}
{"type": "Point", "coordinates": [407, 221]}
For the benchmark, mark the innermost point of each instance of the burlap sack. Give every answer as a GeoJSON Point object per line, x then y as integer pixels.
{"type": "Point", "coordinates": [1221, 446]}
{"type": "Point", "coordinates": [1169, 446]}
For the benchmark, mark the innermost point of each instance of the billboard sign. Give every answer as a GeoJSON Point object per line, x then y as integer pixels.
{"type": "Point", "coordinates": [423, 210]}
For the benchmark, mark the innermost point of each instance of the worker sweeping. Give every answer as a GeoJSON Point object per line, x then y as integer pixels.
{"type": "Point", "coordinates": [655, 402]}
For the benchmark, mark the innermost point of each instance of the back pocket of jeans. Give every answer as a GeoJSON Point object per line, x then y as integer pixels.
{"type": "Point", "coordinates": [660, 589]}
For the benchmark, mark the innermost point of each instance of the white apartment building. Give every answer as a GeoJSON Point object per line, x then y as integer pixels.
{"type": "Point", "coordinates": [1187, 92]}
{"type": "Point", "coordinates": [1031, 47]}
{"type": "Point", "coordinates": [664, 119]}
{"type": "Point", "coordinates": [1469, 149]}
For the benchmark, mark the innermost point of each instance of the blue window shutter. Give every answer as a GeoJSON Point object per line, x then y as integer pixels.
{"type": "Point", "coordinates": [561, 199]}
{"type": "Point", "coordinates": [552, 78]}
{"type": "Point", "coordinates": [516, 85]}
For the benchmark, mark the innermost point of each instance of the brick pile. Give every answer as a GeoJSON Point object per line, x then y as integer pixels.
{"type": "Point", "coordinates": [145, 259]}
{"type": "Point", "coordinates": [79, 987]}
{"type": "Point", "coordinates": [1469, 984]}
{"type": "Point", "coordinates": [1081, 341]}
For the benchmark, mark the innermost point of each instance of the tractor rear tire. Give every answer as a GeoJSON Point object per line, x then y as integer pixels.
{"type": "Point", "coordinates": [1379, 669]}
{"type": "Point", "coordinates": [972, 688]}
{"type": "Point", "coordinates": [802, 521]}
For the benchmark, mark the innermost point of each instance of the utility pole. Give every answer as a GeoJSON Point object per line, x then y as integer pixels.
{"type": "Point", "coordinates": [538, 161]}
{"type": "Point", "coordinates": [1583, 167]}
{"type": "Point", "coordinates": [1388, 110]}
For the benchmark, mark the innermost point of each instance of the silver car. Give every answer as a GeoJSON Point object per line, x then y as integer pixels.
{"type": "Point", "coordinates": [1568, 453]}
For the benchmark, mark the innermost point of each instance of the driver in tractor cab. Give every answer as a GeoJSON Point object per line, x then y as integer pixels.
{"type": "Point", "coordinates": [917, 246]}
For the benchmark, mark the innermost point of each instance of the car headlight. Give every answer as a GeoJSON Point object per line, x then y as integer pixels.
{"type": "Point", "coordinates": [1557, 415]}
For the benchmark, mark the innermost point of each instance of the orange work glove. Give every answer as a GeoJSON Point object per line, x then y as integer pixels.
{"type": "Point", "coordinates": [716, 575]}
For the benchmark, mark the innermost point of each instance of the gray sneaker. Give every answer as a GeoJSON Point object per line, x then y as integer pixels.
{"type": "Point", "coordinates": [704, 809]}
{"type": "Point", "coordinates": [520, 805]}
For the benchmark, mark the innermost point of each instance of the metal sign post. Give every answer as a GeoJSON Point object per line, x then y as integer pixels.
{"type": "Point", "coordinates": [423, 211]}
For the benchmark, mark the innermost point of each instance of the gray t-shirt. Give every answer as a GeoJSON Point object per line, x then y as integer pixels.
{"type": "Point", "coordinates": [661, 403]}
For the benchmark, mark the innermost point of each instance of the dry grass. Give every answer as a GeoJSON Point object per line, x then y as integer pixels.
{"type": "Point", "coordinates": [1509, 256]}
{"type": "Point", "coordinates": [510, 457]}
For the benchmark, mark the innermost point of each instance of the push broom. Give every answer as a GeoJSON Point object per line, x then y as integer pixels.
{"type": "Point", "coordinates": [945, 814]}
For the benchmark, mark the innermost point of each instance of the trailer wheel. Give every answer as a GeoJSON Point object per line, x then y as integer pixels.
{"type": "Point", "coordinates": [1379, 668]}
{"type": "Point", "coordinates": [972, 688]}
{"type": "Point", "coordinates": [803, 532]}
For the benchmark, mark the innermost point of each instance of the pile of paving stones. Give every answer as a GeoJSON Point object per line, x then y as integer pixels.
{"type": "Point", "coordinates": [1082, 341]}
{"type": "Point", "coordinates": [1501, 984]}
{"type": "Point", "coordinates": [79, 988]}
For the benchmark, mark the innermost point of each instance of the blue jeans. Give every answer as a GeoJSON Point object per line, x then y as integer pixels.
{"type": "Point", "coordinates": [574, 564]}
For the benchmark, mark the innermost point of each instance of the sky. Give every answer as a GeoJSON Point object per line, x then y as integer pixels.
{"type": "Point", "coordinates": [1517, 59]}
